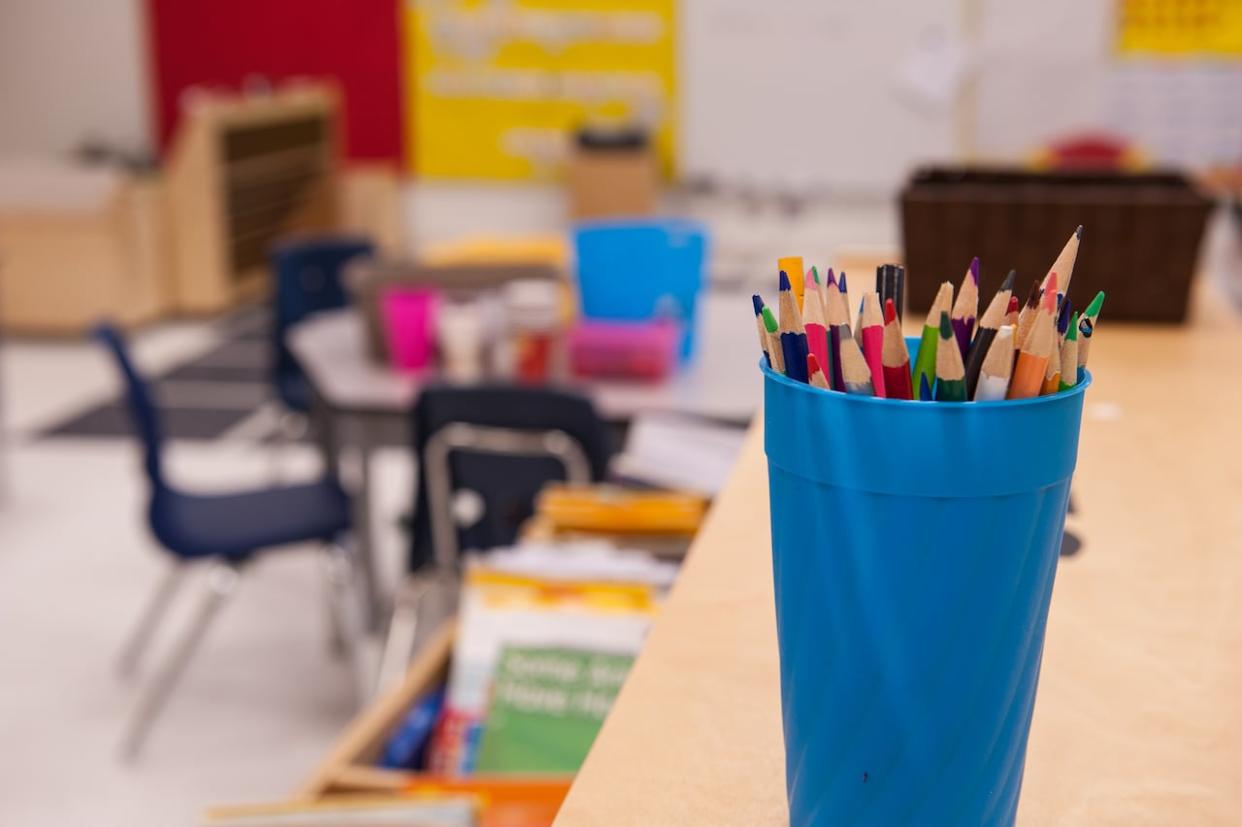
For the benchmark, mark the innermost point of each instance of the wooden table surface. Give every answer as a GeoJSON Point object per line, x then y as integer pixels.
{"type": "Point", "coordinates": [1138, 719]}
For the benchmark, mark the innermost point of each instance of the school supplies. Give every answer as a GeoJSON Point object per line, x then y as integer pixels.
{"type": "Point", "coordinates": [774, 340]}
{"type": "Point", "coordinates": [989, 323]}
{"type": "Point", "coordinates": [763, 333]}
{"type": "Point", "coordinates": [838, 329]}
{"type": "Point", "coordinates": [925, 361]}
{"type": "Point", "coordinates": [966, 307]}
{"type": "Point", "coordinates": [896, 357]}
{"type": "Point", "coordinates": [792, 266]}
{"type": "Point", "coordinates": [950, 375]}
{"type": "Point", "coordinates": [890, 283]}
{"type": "Point", "coordinates": [997, 367]}
{"type": "Point", "coordinates": [1063, 267]}
{"type": "Point", "coordinates": [1022, 350]}
{"type": "Point", "coordinates": [854, 369]}
{"type": "Point", "coordinates": [871, 326]}
{"type": "Point", "coordinates": [815, 375]}
{"type": "Point", "coordinates": [793, 334]}
{"type": "Point", "coordinates": [815, 323]}
{"type": "Point", "coordinates": [1028, 373]}
{"type": "Point", "coordinates": [1086, 326]}
{"type": "Point", "coordinates": [1069, 357]}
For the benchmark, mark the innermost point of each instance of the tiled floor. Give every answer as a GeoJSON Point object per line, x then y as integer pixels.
{"type": "Point", "coordinates": [263, 700]}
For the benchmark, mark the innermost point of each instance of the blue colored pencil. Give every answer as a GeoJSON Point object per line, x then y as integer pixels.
{"type": "Point", "coordinates": [793, 334]}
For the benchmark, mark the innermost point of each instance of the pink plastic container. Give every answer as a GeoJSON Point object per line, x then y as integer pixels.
{"type": "Point", "coordinates": [410, 325]}
{"type": "Point", "coordinates": [624, 350]}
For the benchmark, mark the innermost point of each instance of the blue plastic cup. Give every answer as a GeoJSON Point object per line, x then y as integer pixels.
{"type": "Point", "coordinates": [914, 547]}
{"type": "Point", "coordinates": [640, 268]}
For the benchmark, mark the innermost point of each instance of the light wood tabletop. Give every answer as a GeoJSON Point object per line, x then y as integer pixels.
{"type": "Point", "coordinates": [1138, 719]}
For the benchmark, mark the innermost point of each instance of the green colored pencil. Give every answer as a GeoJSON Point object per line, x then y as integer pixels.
{"type": "Point", "coordinates": [925, 361]}
{"type": "Point", "coordinates": [950, 374]}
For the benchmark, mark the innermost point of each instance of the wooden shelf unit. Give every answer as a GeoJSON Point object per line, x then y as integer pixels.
{"type": "Point", "coordinates": [244, 172]}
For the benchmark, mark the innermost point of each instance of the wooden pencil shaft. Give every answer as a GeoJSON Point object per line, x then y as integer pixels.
{"type": "Point", "coordinates": [974, 359]}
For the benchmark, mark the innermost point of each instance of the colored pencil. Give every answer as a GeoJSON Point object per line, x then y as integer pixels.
{"type": "Point", "coordinates": [814, 374]}
{"type": "Point", "coordinates": [763, 334]}
{"type": "Point", "coordinates": [989, 323]}
{"type": "Point", "coordinates": [1064, 265]}
{"type": "Point", "coordinates": [871, 323]}
{"type": "Point", "coordinates": [1026, 316]}
{"type": "Point", "coordinates": [854, 369]}
{"type": "Point", "coordinates": [793, 334]}
{"type": "Point", "coordinates": [812, 277]}
{"type": "Point", "coordinates": [966, 308]}
{"type": "Point", "coordinates": [925, 361]}
{"type": "Point", "coordinates": [774, 340]}
{"type": "Point", "coordinates": [890, 283]}
{"type": "Point", "coordinates": [815, 324]}
{"type": "Point", "coordinates": [1086, 326]}
{"type": "Point", "coordinates": [1028, 373]}
{"type": "Point", "coordinates": [1063, 315]}
{"type": "Point", "coordinates": [1052, 372]}
{"type": "Point", "coordinates": [950, 374]}
{"type": "Point", "coordinates": [1069, 356]}
{"type": "Point", "coordinates": [1011, 314]}
{"type": "Point", "coordinates": [925, 391]}
{"type": "Point", "coordinates": [838, 329]}
{"type": "Point", "coordinates": [896, 356]}
{"type": "Point", "coordinates": [997, 367]}
{"type": "Point", "coordinates": [792, 265]}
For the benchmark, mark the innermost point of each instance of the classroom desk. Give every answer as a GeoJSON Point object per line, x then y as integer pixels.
{"type": "Point", "coordinates": [1138, 719]}
{"type": "Point", "coordinates": [363, 403]}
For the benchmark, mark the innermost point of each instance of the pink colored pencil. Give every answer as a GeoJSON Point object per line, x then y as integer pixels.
{"type": "Point", "coordinates": [873, 340]}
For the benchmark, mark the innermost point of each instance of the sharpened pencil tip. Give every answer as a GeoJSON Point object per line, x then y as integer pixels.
{"type": "Point", "coordinates": [814, 275]}
{"type": "Point", "coordinates": [1071, 332]}
{"type": "Point", "coordinates": [925, 391]}
{"type": "Point", "coordinates": [769, 320]}
{"type": "Point", "coordinates": [946, 327]}
{"type": "Point", "coordinates": [974, 270]}
{"type": "Point", "coordinates": [832, 278]}
{"type": "Point", "coordinates": [841, 282]}
{"type": "Point", "coordinates": [890, 311]}
{"type": "Point", "coordinates": [757, 301]}
{"type": "Point", "coordinates": [1078, 233]}
{"type": "Point", "coordinates": [785, 285]}
{"type": "Point", "coordinates": [1007, 284]}
{"type": "Point", "coordinates": [1093, 309]}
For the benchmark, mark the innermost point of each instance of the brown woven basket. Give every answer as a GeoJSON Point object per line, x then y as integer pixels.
{"type": "Point", "coordinates": [1140, 242]}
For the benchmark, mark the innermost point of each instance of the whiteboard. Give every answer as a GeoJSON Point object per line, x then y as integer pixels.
{"type": "Point", "coordinates": [811, 94]}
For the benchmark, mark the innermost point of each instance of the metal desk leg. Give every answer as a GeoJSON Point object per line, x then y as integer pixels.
{"type": "Point", "coordinates": [364, 538]}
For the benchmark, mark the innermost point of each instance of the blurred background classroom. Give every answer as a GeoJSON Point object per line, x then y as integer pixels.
{"type": "Point", "coordinates": [304, 305]}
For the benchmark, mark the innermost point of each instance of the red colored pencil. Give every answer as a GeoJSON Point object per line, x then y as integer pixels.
{"type": "Point", "coordinates": [814, 375]}
{"type": "Point", "coordinates": [872, 324]}
{"type": "Point", "coordinates": [814, 322]}
{"type": "Point", "coordinates": [896, 356]}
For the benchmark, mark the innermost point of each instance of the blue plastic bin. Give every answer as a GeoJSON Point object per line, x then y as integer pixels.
{"type": "Point", "coordinates": [634, 269]}
{"type": "Point", "coordinates": [914, 549]}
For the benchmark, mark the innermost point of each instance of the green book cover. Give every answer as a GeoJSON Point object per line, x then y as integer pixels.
{"type": "Point", "coordinates": [547, 705]}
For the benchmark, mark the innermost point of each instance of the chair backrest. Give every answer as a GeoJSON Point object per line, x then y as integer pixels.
{"type": "Point", "coordinates": [142, 408]}
{"type": "Point", "coordinates": [504, 444]}
{"type": "Point", "coordinates": [307, 274]}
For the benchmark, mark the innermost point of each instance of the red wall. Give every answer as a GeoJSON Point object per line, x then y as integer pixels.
{"type": "Point", "coordinates": [220, 42]}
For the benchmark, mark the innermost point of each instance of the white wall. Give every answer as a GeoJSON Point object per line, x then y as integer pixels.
{"type": "Point", "coordinates": [71, 70]}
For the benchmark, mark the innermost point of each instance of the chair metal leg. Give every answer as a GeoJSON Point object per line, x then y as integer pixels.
{"type": "Point", "coordinates": [136, 645]}
{"type": "Point", "coordinates": [422, 603]}
{"type": "Point", "coordinates": [345, 616]}
{"type": "Point", "coordinates": [221, 582]}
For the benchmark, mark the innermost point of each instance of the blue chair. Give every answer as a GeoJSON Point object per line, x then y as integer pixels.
{"type": "Point", "coordinates": [224, 531]}
{"type": "Point", "coordinates": [635, 269]}
{"type": "Point", "coordinates": [307, 277]}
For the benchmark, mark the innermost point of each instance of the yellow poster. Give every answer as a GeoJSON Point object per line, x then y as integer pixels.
{"type": "Point", "coordinates": [495, 87]}
{"type": "Point", "coordinates": [1180, 27]}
